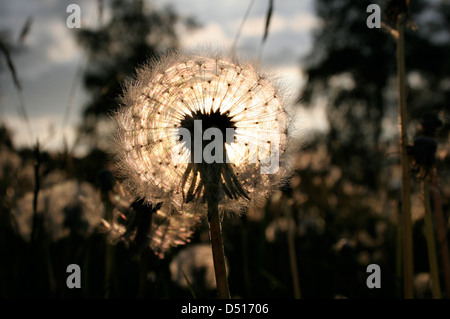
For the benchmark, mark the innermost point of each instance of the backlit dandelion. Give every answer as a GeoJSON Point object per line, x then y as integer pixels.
{"type": "Point", "coordinates": [65, 207]}
{"type": "Point", "coordinates": [136, 224]}
{"type": "Point", "coordinates": [170, 96]}
{"type": "Point", "coordinates": [202, 134]}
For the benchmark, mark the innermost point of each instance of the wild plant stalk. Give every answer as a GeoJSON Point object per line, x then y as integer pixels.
{"type": "Point", "coordinates": [109, 252]}
{"type": "Point", "coordinates": [188, 282]}
{"type": "Point", "coordinates": [292, 254]}
{"type": "Point", "coordinates": [239, 31]}
{"type": "Point", "coordinates": [398, 249]}
{"type": "Point", "coordinates": [245, 260]}
{"type": "Point", "coordinates": [37, 186]}
{"type": "Point", "coordinates": [408, 267]}
{"type": "Point", "coordinates": [431, 245]}
{"type": "Point", "coordinates": [37, 238]}
{"type": "Point", "coordinates": [441, 233]}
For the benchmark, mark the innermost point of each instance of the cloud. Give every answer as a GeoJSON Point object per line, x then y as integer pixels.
{"type": "Point", "coordinates": [299, 22]}
{"type": "Point", "coordinates": [46, 129]}
{"type": "Point", "coordinates": [210, 34]}
{"type": "Point", "coordinates": [62, 48]}
{"type": "Point", "coordinates": [49, 42]}
{"type": "Point", "coordinates": [255, 26]}
{"type": "Point", "coordinates": [304, 22]}
{"type": "Point", "coordinates": [291, 77]}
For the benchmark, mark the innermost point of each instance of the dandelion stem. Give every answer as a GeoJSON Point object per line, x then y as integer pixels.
{"type": "Point", "coordinates": [218, 252]}
{"type": "Point", "coordinates": [211, 175]}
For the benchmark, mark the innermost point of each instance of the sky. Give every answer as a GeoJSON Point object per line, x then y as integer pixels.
{"type": "Point", "coordinates": [48, 60]}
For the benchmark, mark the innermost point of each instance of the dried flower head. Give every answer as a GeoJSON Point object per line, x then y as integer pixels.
{"type": "Point", "coordinates": [64, 207]}
{"type": "Point", "coordinates": [136, 224]}
{"type": "Point", "coordinates": [198, 126]}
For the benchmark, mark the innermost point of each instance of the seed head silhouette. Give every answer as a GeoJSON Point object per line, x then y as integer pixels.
{"type": "Point", "coordinates": [236, 127]}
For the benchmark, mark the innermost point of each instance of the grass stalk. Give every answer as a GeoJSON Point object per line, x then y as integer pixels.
{"type": "Point", "coordinates": [292, 253]}
{"type": "Point", "coordinates": [245, 259]}
{"type": "Point", "coordinates": [408, 266]}
{"type": "Point", "coordinates": [38, 236]}
{"type": "Point", "coordinates": [399, 253]}
{"type": "Point", "coordinates": [108, 247]}
{"type": "Point", "coordinates": [441, 233]}
{"type": "Point", "coordinates": [431, 245]}
{"type": "Point", "coordinates": [188, 282]}
{"type": "Point", "coordinates": [37, 186]}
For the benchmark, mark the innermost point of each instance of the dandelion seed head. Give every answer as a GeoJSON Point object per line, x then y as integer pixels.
{"type": "Point", "coordinates": [163, 231]}
{"type": "Point", "coordinates": [62, 206]}
{"type": "Point", "coordinates": [168, 96]}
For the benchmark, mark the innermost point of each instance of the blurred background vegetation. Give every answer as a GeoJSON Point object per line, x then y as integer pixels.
{"type": "Point", "coordinates": [314, 238]}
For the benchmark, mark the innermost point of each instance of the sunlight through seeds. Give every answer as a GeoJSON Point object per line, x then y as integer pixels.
{"type": "Point", "coordinates": [168, 98]}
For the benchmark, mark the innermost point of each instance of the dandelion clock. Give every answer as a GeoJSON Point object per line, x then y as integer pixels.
{"type": "Point", "coordinates": [204, 134]}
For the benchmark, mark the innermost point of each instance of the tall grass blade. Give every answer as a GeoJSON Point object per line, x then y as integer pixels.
{"type": "Point", "coordinates": [239, 31]}
{"type": "Point", "coordinates": [268, 18]}
{"type": "Point", "coordinates": [25, 30]}
{"type": "Point", "coordinates": [191, 288]}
